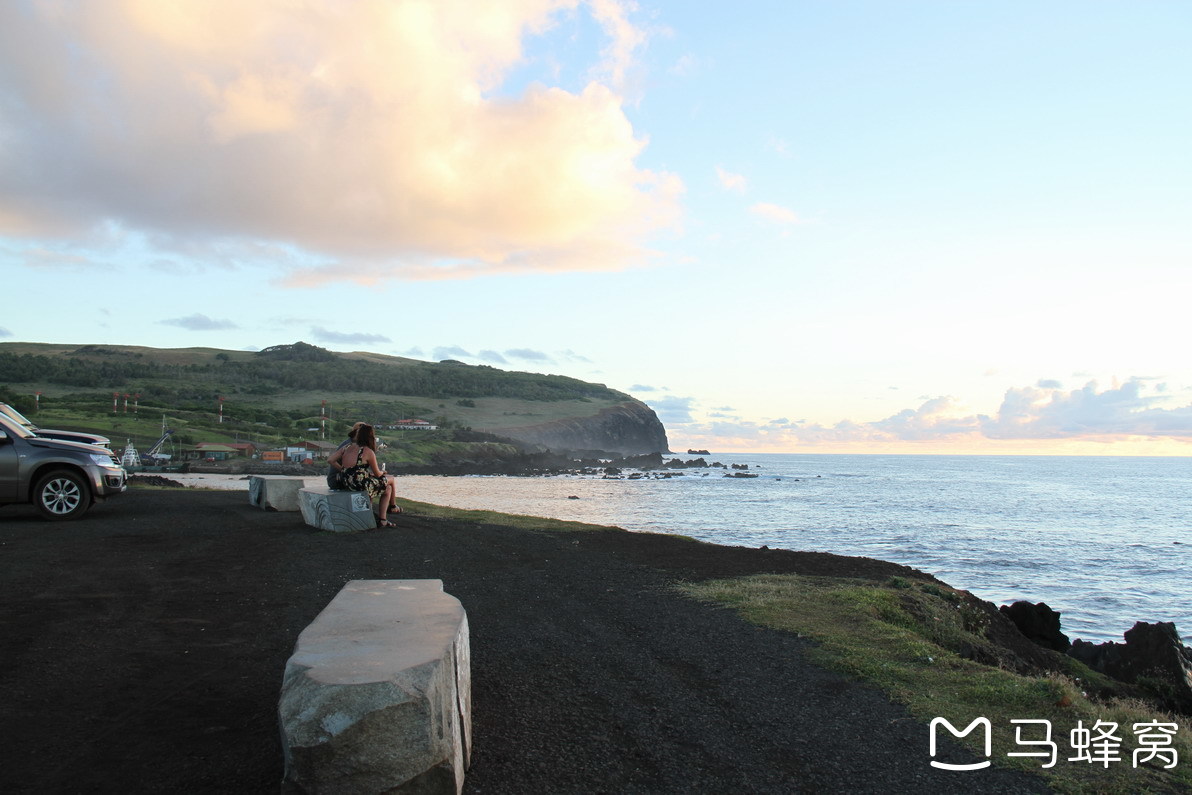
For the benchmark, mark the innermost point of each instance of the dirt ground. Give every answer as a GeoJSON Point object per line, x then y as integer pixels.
{"type": "Point", "coordinates": [143, 649]}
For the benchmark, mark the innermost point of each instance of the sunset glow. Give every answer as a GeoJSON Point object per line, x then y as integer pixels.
{"type": "Point", "coordinates": [823, 227]}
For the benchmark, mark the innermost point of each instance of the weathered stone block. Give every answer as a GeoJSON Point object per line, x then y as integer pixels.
{"type": "Point", "coordinates": [377, 695]}
{"type": "Point", "coordinates": [339, 511]}
{"type": "Point", "coordinates": [274, 492]}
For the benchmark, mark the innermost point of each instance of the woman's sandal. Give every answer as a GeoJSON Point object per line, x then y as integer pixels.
{"type": "Point", "coordinates": [384, 523]}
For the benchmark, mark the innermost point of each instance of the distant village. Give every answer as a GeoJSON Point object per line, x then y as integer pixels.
{"type": "Point", "coordinates": [298, 452]}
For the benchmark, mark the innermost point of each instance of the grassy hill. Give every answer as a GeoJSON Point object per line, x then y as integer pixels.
{"type": "Point", "coordinates": [277, 395]}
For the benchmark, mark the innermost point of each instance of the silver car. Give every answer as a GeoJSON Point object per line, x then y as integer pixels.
{"type": "Point", "coordinates": [61, 479]}
{"type": "Point", "coordinates": [49, 433]}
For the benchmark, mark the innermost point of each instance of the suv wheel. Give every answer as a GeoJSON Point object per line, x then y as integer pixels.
{"type": "Point", "coordinates": [61, 495]}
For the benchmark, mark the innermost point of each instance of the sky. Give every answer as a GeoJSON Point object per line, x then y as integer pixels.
{"type": "Point", "coordinates": [787, 226]}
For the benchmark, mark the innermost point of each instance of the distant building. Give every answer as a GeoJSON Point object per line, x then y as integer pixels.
{"type": "Point", "coordinates": [413, 425]}
{"type": "Point", "coordinates": [216, 451]}
{"type": "Point", "coordinates": [312, 450]}
{"type": "Point", "coordinates": [221, 451]}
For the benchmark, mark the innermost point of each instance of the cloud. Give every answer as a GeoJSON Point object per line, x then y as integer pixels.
{"type": "Point", "coordinates": [673, 410]}
{"type": "Point", "coordinates": [199, 322]}
{"type": "Point", "coordinates": [493, 356]}
{"type": "Point", "coordinates": [1049, 383]}
{"type": "Point", "coordinates": [527, 354]}
{"type": "Point", "coordinates": [414, 352]}
{"type": "Point", "coordinates": [323, 335]}
{"type": "Point", "coordinates": [642, 388]}
{"type": "Point", "coordinates": [779, 146]}
{"type": "Point", "coordinates": [731, 181]}
{"type": "Point", "coordinates": [366, 141]}
{"type": "Point", "coordinates": [1125, 412]}
{"type": "Point", "coordinates": [5, 332]}
{"type": "Point", "coordinates": [775, 213]}
{"type": "Point", "coordinates": [450, 352]}
{"type": "Point", "coordinates": [685, 66]}
{"type": "Point", "coordinates": [48, 259]}
{"type": "Point", "coordinates": [571, 356]}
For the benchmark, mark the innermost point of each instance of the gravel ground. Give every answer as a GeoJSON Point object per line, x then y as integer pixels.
{"type": "Point", "coordinates": [143, 648]}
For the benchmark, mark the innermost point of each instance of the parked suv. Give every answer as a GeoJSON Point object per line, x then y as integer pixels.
{"type": "Point", "coordinates": [62, 479]}
{"type": "Point", "coordinates": [46, 433]}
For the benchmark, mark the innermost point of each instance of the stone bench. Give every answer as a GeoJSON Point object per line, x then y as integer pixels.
{"type": "Point", "coordinates": [377, 695]}
{"type": "Point", "coordinates": [339, 511]}
{"type": "Point", "coordinates": [274, 492]}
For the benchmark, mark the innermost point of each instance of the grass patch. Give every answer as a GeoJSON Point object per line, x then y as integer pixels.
{"type": "Point", "coordinates": [912, 639]}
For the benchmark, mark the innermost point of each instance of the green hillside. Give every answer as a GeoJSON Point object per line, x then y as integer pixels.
{"type": "Point", "coordinates": [278, 394]}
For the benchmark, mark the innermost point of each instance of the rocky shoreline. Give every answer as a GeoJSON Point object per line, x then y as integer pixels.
{"type": "Point", "coordinates": [1153, 659]}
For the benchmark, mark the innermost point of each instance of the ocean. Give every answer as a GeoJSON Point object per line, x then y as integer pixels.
{"type": "Point", "coordinates": [1107, 541]}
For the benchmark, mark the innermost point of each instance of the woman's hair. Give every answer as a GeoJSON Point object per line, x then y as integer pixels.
{"type": "Point", "coordinates": [365, 437]}
{"type": "Point", "coordinates": [352, 433]}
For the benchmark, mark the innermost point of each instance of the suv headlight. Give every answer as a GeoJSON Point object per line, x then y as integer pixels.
{"type": "Point", "coordinates": [103, 460]}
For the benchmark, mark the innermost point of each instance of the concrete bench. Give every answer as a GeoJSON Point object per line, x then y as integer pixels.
{"type": "Point", "coordinates": [339, 511]}
{"type": "Point", "coordinates": [377, 695]}
{"type": "Point", "coordinates": [274, 492]}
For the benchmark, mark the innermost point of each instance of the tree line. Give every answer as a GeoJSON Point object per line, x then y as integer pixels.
{"type": "Point", "coordinates": [285, 368]}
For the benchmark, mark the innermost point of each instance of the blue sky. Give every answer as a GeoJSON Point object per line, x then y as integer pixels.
{"type": "Point", "coordinates": [808, 226]}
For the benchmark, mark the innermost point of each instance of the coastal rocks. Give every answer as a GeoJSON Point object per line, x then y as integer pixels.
{"type": "Point", "coordinates": [1039, 623]}
{"type": "Point", "coordinates": [698, 463]}
{"type": "Point", "coordinates": [1153, 657]}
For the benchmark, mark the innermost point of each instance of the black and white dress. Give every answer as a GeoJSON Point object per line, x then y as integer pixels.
{"type": "Point", "coordinates": [361, 478]}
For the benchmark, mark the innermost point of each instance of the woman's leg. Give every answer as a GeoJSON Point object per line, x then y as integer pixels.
{"type": "Point", "coordinates": [386, 499]}
{"type": "Point", "coordinates": [392, 484]}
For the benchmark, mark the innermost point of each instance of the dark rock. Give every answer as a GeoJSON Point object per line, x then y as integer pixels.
{"type": "Point", "coordinates": [694, 463]}
{"type": "Point", "coordinates": [1039, 623]}
{"type": "Point", "coordinates": [1153, 657]}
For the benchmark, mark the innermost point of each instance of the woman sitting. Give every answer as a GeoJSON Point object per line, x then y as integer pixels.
{"type": "Point", "coordinates": [357, 464]}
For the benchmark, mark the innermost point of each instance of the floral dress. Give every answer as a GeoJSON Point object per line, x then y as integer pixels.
{"type": "Point", "coordinates": [361, 478]}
